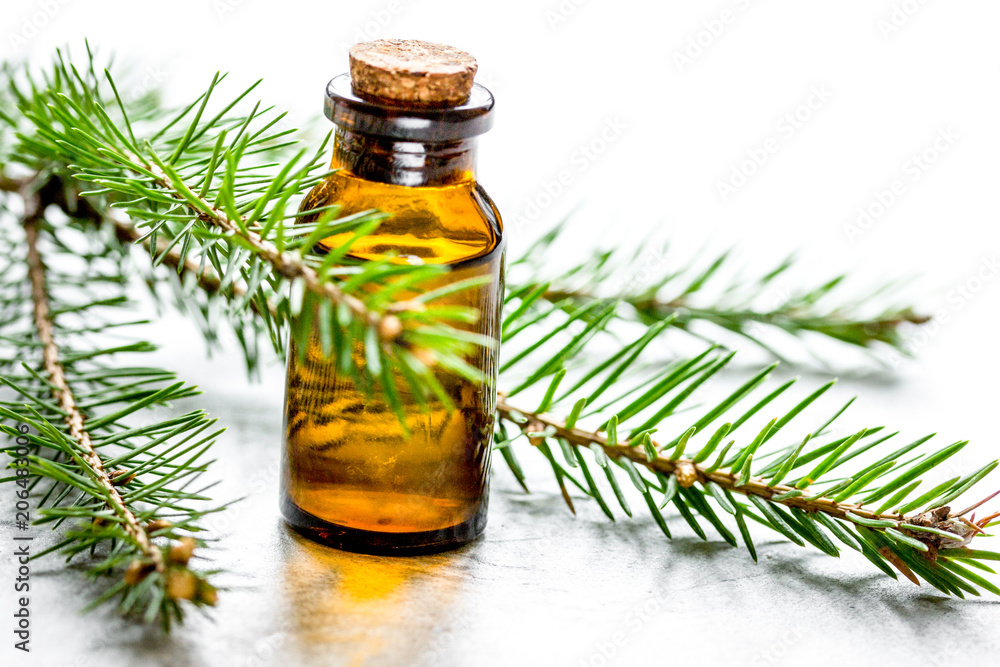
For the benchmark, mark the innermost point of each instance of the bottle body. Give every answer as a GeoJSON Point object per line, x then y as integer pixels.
{"type": "Point", "coordinates": [351, 476]}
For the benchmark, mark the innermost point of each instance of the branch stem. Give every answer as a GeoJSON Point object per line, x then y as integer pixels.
{"type": "Point", "coordinates": [634, 452]}
{"type": "Point", "coordinates": [289, 265]}
{"type": "Point", "coordinates": [63, 394]}
{"type": "Point", "coordinates": [860, 331]}
{"type": "Point", "coordinates": [207, 279]}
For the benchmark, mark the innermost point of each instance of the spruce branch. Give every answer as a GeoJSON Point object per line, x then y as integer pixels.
{"type": "Point", "coordinates": [289, 265]}
{"type": "Point", "coordinates": [810, 489]}
{"type": "Point", "coordinates": [711, 291]}
{"type": "Point", "coordinates": [793, 316]}
{"type": "Point", "coordinates": [68, 200]}
{"type": "Point", "coordinates": [64, 395]}
{"type": "Point", "coordinates": [688, 473]}
{"type": "Point", "coordinates": [124, 493]}
{"type": "Point", "coordinates": [206, 279]}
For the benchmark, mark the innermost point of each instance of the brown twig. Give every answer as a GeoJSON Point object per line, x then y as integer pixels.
{"type": "Point", "coordinates": [8, 184]}
{"type": "Point", "coordinates": [974, 506]}
{"type": "Point", "coordinates": [688, 472]}
{"type": "Point", "coordinates": [126, 232]}
{"type": "Point", "coordinates": [289, 265]}
{"type": "Point", "coordinates": [849, 330]}
{"type": "Point", "coordinates": [33, 217]}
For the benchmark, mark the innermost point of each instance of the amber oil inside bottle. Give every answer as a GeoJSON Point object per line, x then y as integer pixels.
{"type": "Point", "coordinates": [351, 477]}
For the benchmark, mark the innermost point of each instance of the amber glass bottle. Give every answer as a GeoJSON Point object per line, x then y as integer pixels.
{"type": "Point", "coordinates": [351, 478]}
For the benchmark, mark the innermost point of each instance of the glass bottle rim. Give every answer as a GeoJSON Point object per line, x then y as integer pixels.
{"type": "Point", "coordinates": [405, 123]}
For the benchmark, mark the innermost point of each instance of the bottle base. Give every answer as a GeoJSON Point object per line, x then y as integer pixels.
{"type": "Point", "coordinates": [382, 543]}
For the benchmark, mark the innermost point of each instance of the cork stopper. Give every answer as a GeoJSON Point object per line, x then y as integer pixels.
{"type": "Point", "coordinates": [412, 72]}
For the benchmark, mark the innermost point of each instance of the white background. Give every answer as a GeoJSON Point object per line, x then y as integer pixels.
{"type": "Point", "coordinates": [684, 94]}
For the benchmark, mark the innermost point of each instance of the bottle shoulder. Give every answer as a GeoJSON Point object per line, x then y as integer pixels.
{"type": "Point", "coordinates": [438, 224]}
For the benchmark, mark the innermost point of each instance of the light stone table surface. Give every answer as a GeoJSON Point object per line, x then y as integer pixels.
{"type": "Point", "coordinates": [542, 587]}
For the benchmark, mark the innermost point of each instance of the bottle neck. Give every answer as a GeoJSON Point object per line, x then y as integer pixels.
{"type": "Point", "coordinates": [406, 163]}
